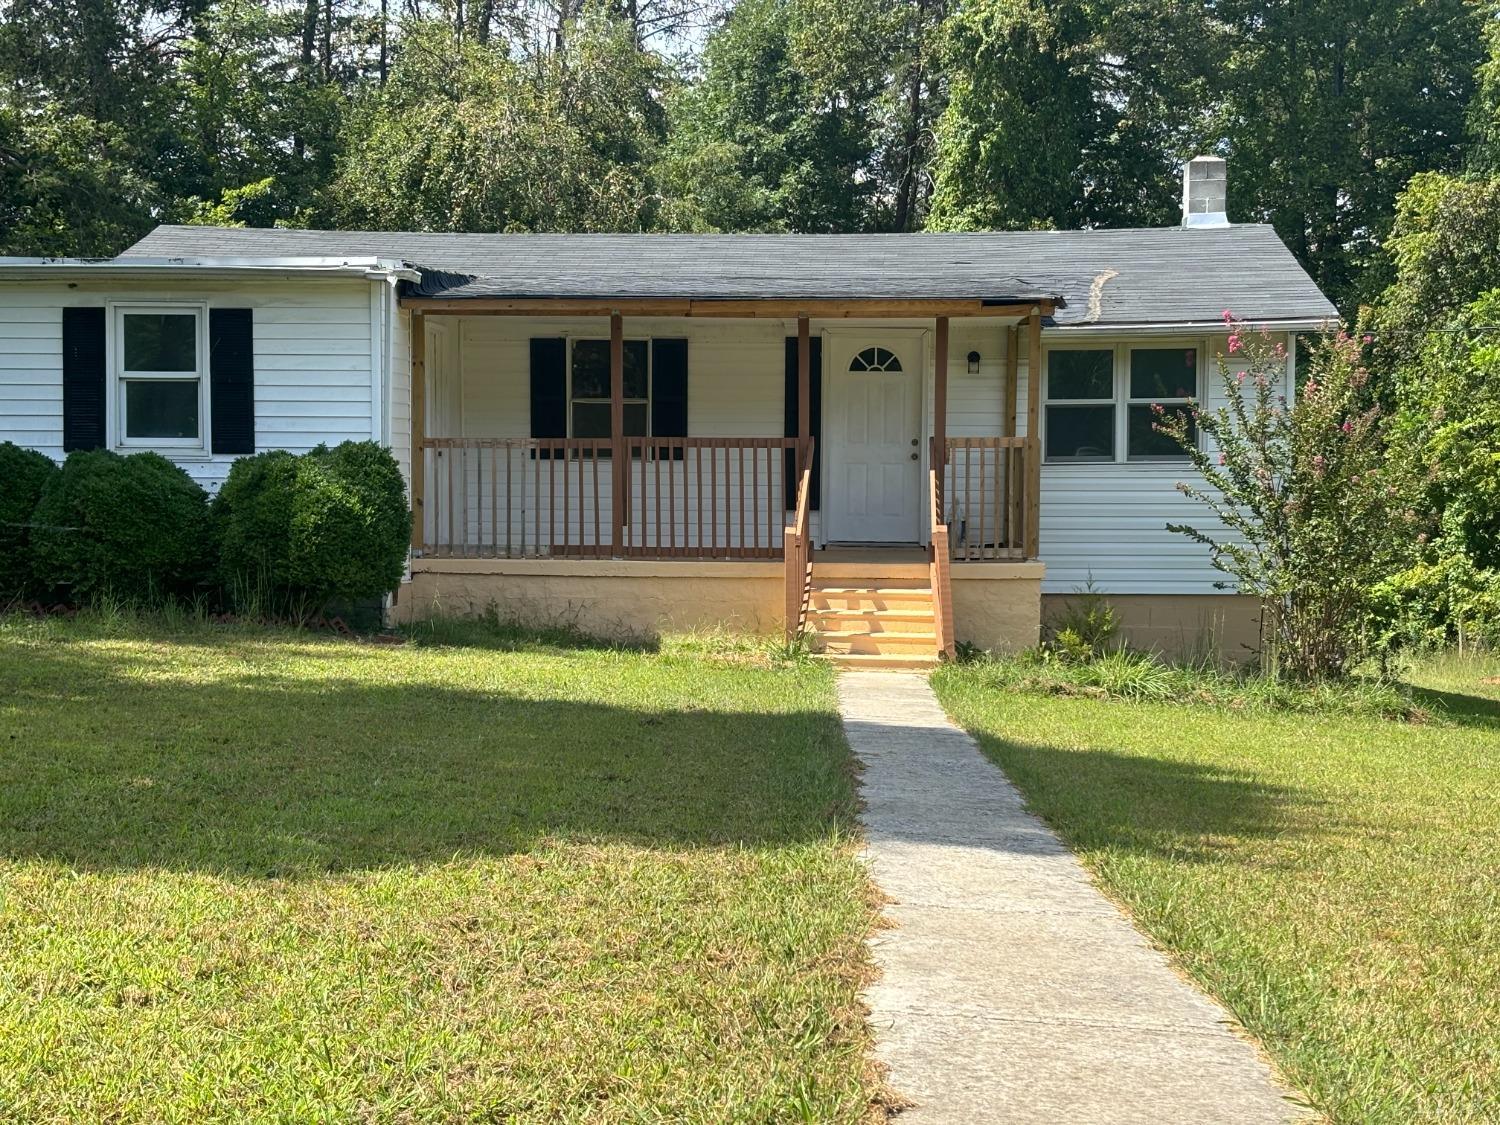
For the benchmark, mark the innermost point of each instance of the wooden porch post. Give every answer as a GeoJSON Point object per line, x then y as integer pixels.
{"type": "Point", "coordinates": [619, 455]}
{"type": "Point", "coordinates": [418, 393]}
{"type": "Point", "coordinates": [1012, 367]}
{"type": "Point", "coordinates": [804, 391]}
{"type": "Point", "coordinates": [1034, 433]}
{"type": "Point", "coordinates": [940, 394]}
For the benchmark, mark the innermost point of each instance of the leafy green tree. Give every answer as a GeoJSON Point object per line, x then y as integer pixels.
{"type": "Point", "coordinates": [68, 186]}
{"type": "Point", "coordinates": [779, 133]}
{"type": "Point", "coordinates": [1436, 330]}
{"type": "Point", "coordinates": [464, 137]}
{"type": "Point", "coordinates": [1444, 250]}
{"type": "Point", "coordinates": [1067, 114]}
{"type": "Point", "coordinates": [1484, 112]}
{"type": "Point", "coordinates": [248, 121]}
{"type": "Point", "coordinates": [1327, 108]}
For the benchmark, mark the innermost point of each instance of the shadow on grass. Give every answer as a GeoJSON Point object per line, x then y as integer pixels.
{"type": "Point", "coordinates": [501, 636]}
{"type": "Point", "coordinates": [109, 760]}
{"type": "Point", "coordinates": [1138, 803]}
{"type": "Point", "coordinates": [1456, 707]}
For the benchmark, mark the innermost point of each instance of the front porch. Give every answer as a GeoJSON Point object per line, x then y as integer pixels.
{"type": "Point", "coordinates": [624, 534]}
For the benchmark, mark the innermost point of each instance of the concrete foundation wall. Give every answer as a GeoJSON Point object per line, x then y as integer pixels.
{"type": "Point", "coordinates": [1177, 625]}
{"type": "Point", "coordinates": [614, 600]}
{"type": "Point", "coordinates": [998, 606]}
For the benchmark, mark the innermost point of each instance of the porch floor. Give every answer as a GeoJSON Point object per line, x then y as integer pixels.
{"type": "Point", "coordinates": [872, 552]}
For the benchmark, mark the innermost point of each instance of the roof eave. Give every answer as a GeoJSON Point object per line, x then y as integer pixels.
{"type": "Point", "coordinates": [26, 268]}
{"type": "Point", "coordinates": [1273, 324]}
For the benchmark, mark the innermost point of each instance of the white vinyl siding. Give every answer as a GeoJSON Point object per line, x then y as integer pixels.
{"type": "Point", "coordinates": [313, 361]}
{"type": "Point", "coordinates": [1107, 521]}
{"type": "Point", "coordinates": [30, 373]}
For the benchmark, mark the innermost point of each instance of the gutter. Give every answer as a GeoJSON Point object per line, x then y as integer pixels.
{"type": "Point", "coordinates": [1302, 324]}
{"type": "Point", "coordinates": [53, 268]}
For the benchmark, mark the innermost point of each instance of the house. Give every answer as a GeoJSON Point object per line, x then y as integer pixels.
{"type": "Point", "coordinates": [903, 441]}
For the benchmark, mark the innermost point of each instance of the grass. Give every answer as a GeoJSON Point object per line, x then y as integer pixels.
{"type": "Point", "coordinates": [263, 875]}
{"type": "Point", "coordinates": [1331, 874]}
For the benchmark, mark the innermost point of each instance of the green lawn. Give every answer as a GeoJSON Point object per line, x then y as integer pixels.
{"type": "Point", "coordinates": [1334, 879]}
{"type": "Point", "coordinates": [268, 876]}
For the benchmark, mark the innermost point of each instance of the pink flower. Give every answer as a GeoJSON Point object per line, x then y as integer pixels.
{"type": "Point", "coordinates": [1280, 351]}
{"type": "Point", "coordinates": [1234, 343]}
{"type": "Point", "coordinates": [1347, 427]}
{"type": "Point", "coordinates": [1228, 317]}
{"type": "Point", "coordinates": [1369, 339]}
{"type": "Point", "coordinates": [1221, 459]}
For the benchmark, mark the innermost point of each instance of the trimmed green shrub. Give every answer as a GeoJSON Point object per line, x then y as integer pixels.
{"type": "Point", "coordinates": [296, 533]}
{"type": "Point", "coordinates": [252, 522]}
{"type": "Point", "coordinates": [132, 527]}
{"type": "Point", "coordinates": [25, 474]}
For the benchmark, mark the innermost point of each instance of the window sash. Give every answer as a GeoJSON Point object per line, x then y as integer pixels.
{"type": "Point", "coordinates": [596, 400]}
{"type": "Point", "coordinates": [122, 376]}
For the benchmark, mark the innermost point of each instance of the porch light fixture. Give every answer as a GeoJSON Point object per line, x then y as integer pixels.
{"type": "Point", "coordinates": [973, 363]}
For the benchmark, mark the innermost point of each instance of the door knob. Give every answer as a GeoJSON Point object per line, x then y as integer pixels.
{"type": "Point", "coordinates": [914, 441]}
{"type": "Point", "coordinates": [913, 456]}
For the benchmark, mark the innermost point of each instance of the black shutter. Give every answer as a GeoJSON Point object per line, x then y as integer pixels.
{"type": "Point", "coordinates": [231, 375]}
{"type": "Point", "coordinates": [549, 387]}
{"type": "Point", "coordinates": [83, 378]}
{"type": "Point", "coordinates": [669, 389]}
{"type": "Point", "coordinates": [815, 401]}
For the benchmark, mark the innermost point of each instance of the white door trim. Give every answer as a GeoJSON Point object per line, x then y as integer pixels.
{"type": "Point", "coordinates": [833, 369]}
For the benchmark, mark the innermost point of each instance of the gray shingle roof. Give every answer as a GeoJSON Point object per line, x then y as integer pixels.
{"type": "Point", "coordinates": [1105, 277]}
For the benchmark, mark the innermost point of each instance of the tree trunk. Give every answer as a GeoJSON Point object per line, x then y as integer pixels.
{"type": "Point", "coordinates": [309, 40]}
{"type": "Point", "coordinates": [327, 40]}
{"type": "Point", "coordinates": [384, 45]}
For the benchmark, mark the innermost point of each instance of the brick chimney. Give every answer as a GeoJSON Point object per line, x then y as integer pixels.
{"type": "Point", "coordinates": [1205, 187]}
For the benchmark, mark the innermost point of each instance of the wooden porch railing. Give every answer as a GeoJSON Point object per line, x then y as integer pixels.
{"type": "Point", "coordinates": [984, 490]}
{"type": "Point", "coordinates": [683, 498]}
{"type": "Point", "coordinates": [939, 559]}
{"type": "Point", "coordinates": [797, 548]}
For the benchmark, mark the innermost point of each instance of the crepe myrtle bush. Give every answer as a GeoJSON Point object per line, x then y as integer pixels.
{"type": "Point", "coordinates": [1309, 514]}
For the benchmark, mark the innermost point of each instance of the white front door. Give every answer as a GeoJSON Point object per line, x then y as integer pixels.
{"type": "Point", "coordinates": [873, 424]}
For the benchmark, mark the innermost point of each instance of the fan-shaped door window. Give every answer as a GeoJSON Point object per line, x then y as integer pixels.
{"type": "Point", "coordinates": [875, 359]}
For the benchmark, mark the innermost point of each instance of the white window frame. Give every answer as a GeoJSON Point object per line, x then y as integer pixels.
{"type": "Point", "coordinates": [1122, 400]}
{"type": "Point", "coordinates": [1128, 400]}
{"type": "Point", "coordinates": [119, 378]}
{"type": "Point", "coordinates": [1113, 401]}
{"type": "Point", "coordinates": [650, 381]}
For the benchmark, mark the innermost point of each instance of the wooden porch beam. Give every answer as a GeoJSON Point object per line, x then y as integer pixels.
{"type": "Point", "coordinates": [1033, 434]}
{"type": "Point", "coordinates": [621, 461]}
{"type": "Point", "coordinates": [848, 308]}
{"type": "Point", "coordinates": [418, 391]}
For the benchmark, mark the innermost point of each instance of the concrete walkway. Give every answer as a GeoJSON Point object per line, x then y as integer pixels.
{"type": "Point", "coordinates": [1012, 990]}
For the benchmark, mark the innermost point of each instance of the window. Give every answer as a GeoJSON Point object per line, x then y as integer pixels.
{"type": "Point", "coordinates": [1101, 403]}
{"type": "Point", "coordinates": [1081, 405]}
{"type": "Point", "coordinates": [1165, 378]}
{"type": "Point", "coordinates": [875, 359]}
{"type": "Point", "coordinates": [588, 390]}
{"type": "Point", "coordinates": [159, 383]}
